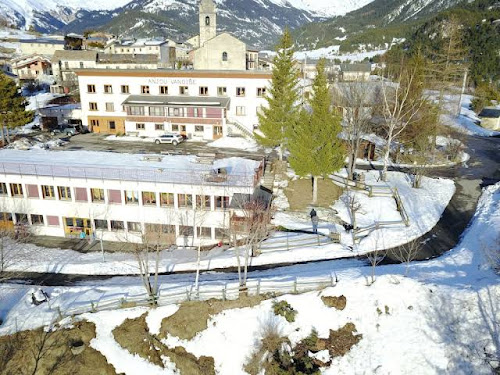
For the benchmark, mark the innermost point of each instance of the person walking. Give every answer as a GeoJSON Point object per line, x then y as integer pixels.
{"type": "Point", "coordinates": [314, 220]}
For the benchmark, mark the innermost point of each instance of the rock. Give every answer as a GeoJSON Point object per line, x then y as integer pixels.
{"type": "Point", "coordinates": [337, 302]}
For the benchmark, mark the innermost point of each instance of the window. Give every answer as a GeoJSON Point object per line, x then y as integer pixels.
{"type": "Point", "coordinates": [91, 89]}
{"type": "Point", "coordinates": [21, 218]}
{"type": "Point", "coordinates": [222, 91]}
{"type": "Point", "coordinates": [81, 65]}
{"type": "Point", "coordinates": [175, 112]}
{"type": "Point", "coordinates": [197, 112]}
{"type": "Point", "coordinates": [110, 107]}
{"type": "Point", "coordinates": [136, 110]}
{"type": "Point", "coordinates": [156, 111]}
{"type": "Point", "coordinates": [224, 56]}
{"type": "Point", "coordinates": [134, 226]}
{"type": "Point", "coordinates": [101, 224]}
{"type": "Point", "coordinates": [163, 90]}
{"type": "Point", "coordinates": [32, 191]}
{"type": "Point", "coordinates": [203, 90]}
{"type": "Point", "coordinates": [93, 106]}
{"type": "Point", "coordinates": [66, 65]}
{"type": "Point", "coordinates": [117, 225]}
{"type": "Point", "coordinates": [108, 89]}
{"type": "Point", "coordinates": [149, 198]}
{"type": "Point", "coordinates": [167, 199]}
{"type": "Point", "coordinates": [175, 128]}
{"type": "Point", "coordinates": [5, 216]}
{"type": "Point", "coordinates": [183, 90]}
{"type": "Point", "coordinates": [220, 233]}
{"type": "Point", "coordinates": [198, 128]}
{"type": "Point", "coordinates": [97, 195]}
{"type": "Point", "coordinates": [53, 220]}
{"type": "Point", "coordinates": [204, 232]}
{"type": "Point", "coordinates": [221, 202]}
{"type": "Point", "coordinates": [131, 197]}
{"type": "Point", "coordinates": [111, 124]}
{"type": "Point", "coordinates": [3, 188]}
{"type": "Point", "coordinates": [159, 127]}
{"type": "Point", "coordinates": [94, 123]}
{"type": "Point", "coordinates": [261, 91]}
{"type": "Point", "coordinates": [16, 190]}
{"type": "Point", "coordinates": [140, 126]}
{"type": "Point", "coordinates": [144, 89]}
{"type": "Point", "coordinates": [81, 195]}
{"type": "Point", "coordinates": [185, 200]}
{"type": "Point", "coordinates": [64, 193]}
{"type": "Point", "coordinates": [36, 219]}
{"type": "Point", "coordinates": [185, 230]}
{"type": "Point", "coordinates": [125, 89]}
{"type": "Point", "coordinates": [203, 202]}
{"type": "Point", "coordinates": [48, 192]}
{"type": "Point", "coordinates": [240, 111]}
{"type": "Point", "coordinates": [240, 91]}
{"type": "Point", "coordinates": [207, 21]}
{"type": "Point", "coordinates": [114, 196]}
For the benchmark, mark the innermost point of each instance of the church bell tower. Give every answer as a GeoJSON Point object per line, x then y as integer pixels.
{"type": "Point", "coordinates": [208, 21]}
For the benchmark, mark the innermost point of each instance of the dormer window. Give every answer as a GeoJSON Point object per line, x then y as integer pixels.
{"type": "Point", "coordinates": [224, 56]}
{"type": "Point", "coordinates": [207, 21]}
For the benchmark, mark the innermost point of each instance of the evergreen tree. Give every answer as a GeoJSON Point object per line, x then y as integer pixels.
{"type": "Point", "coordinates": [315, 148]}
{"type": "Point", "coordinates": [12, 107]}
{"type": "Point", "coordinates": [281, 113]}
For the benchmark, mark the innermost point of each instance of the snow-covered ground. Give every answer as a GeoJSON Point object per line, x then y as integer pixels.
{"type": "Point", "coordinates": [236, 143]}
{"type": "Point", "coordinates": [424, 207]}
{"type": "Point", "coordinates": [440, 319]}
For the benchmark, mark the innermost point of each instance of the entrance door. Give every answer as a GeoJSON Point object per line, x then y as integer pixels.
{"type": "Point", "coordinates": [217, 131]}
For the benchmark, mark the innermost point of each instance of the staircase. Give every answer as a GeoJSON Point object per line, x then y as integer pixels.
{"type": "Point", "coordinates": [269, 176]}
{"type": "Point", "coordinates": [285, 241]}
{"type": "Point", "coordinates": [241, 128]}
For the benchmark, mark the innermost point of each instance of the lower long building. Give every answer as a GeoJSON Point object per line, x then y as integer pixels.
{"type": "Point", "coordinates": [183, 200]}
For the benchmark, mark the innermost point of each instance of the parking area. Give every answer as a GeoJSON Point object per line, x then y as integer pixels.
{"type": "Point", "coordinates": [98, 142]}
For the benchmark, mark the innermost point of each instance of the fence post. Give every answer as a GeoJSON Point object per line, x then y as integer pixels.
{"type": "Point", "coordinates": [224, 292]}
{"type": "Point", "coordinates": [188, 297]}
{"type": "Point", "coordinates": [287, 247]}
{"type": "Point", "coordinates": [295, 285]}
{"type": "Point", "coordinates": [331, 279]}
{"type": "Point", "coordinates": [317, 235]}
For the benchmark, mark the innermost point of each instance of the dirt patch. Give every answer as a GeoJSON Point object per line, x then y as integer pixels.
{"type": "Point", "coordinates": [336, 302]}
{"type": "Point", "coordinates": [339, 342]}
{"type": "Point", "coordinates": [59, 352]}
{"type": "Point", "coordinates": [299, 193]}
{"type": "Point", "coordinates": [134, 336]}
{"type": "Point", "coordinates": [192, 317]}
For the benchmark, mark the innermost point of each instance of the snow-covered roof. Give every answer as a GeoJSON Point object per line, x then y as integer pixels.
{"type": "Point", "coordinates": [177, 169]}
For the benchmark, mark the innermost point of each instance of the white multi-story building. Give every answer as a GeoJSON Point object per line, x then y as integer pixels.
{"type": "Point", "coordinates": [198, 104]}
{"type": "Point", "coordinates": [123, 197]}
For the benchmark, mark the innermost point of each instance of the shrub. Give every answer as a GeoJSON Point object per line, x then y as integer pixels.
{"type": "Point", "coordinates": [284, 309]}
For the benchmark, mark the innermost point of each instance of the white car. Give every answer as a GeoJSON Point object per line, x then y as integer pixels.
{"type": "Point", "coordinates": [174, 139]}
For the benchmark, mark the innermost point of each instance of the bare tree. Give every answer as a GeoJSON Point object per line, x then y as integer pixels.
{"type": "Point", "coordinates": [353, 206]}
{"type": "Point", "coordinates": [375, 258]}
{"type": "Point", "coordinates": [407, 253]}
{"type": "Point", "coordinates": [252, 227]}
{"type": "Point", "coordinates": [154, 238]}
{"type": "Point", "coordinates": [355, 100]}
{"type": "Point", "coordinates": [401, 103]}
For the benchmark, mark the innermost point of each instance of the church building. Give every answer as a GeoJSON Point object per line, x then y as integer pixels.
{"type": "Point", "coordinates": [223, 51]}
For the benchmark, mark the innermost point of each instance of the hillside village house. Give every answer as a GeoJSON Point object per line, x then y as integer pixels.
{"type": "Point", "coordinates": [354, 72]}
{"type": "Point", "coordinates": [43, 46]}
{"type": "Point", "coordinates": [198, 104]}
{"type": "Point", "coordinates": [31, 67]}
{"type": "Point", "coordinates": [123, 197]}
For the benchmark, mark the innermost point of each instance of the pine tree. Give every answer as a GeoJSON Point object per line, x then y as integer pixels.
{"type": "Point", "coordinates": [12, 107]}
{"type": "Point", "coordinates": [281, 113]}
{"type": "Point", "coordinates": [315, 148]}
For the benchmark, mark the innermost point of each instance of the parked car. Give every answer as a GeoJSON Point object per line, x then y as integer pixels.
{"type": "Point", "coordinates": [174, 139]}
{"type": "Point", "coordinates": [65, 130]}
{"type": "Point", "coordinates": [35, 127]}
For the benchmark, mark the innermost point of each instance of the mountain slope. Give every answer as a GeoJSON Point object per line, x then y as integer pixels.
{"type": "Point", "coordinates": [376, 24]}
